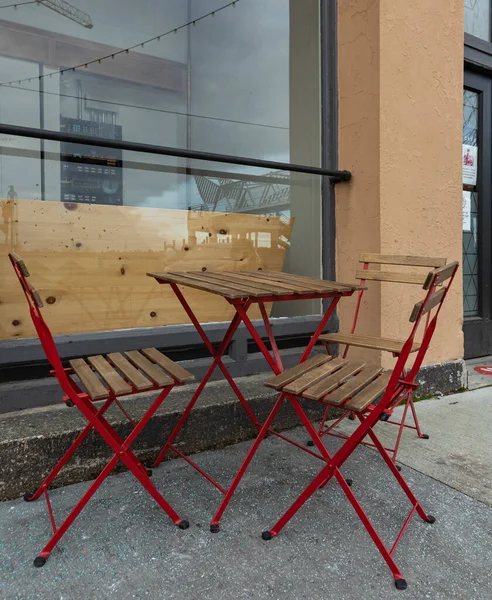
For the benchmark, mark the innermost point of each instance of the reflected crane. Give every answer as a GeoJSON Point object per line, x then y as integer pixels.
{"type": "Point", "coordinates": [67, 10]}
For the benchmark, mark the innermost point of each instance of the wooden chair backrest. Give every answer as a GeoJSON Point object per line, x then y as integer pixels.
{"type": "Point", "coordinates": [30, 290]}
{"type": "Point", "coordinates": [417, 278]}
{"type": "Point", "coordinates": [45, 337]}
{"type": "Point", "coordinates": [434, 299]}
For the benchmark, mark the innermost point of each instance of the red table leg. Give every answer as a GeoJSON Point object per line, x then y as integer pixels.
{"type": "Point", "coordinates": [275, 363]}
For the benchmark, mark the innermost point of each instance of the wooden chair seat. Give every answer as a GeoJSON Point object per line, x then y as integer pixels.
{"type": "Point", "coordinates": [351, 385]}
{"type": "Point", "coordinates": [120, 375]}
{"type": "Point", "coordinates": [367, 341]}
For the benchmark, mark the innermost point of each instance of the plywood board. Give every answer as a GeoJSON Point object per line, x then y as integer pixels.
{"type": "Point", "coordinates": [89, 263]}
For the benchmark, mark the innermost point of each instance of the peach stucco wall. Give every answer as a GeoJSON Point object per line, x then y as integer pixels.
{"type": "Point", "coordinates": [400, 131]}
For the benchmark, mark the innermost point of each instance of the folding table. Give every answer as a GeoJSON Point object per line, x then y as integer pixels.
{"type": "Point", "coordinates": [243, 289]}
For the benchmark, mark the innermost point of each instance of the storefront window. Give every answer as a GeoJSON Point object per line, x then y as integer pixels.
{"type": "Point", "coordinates": [477, 18]}
{"type": "Point", "coordinates": [244, 81]}
{"type": "Point", "coordinates": [471, 263]}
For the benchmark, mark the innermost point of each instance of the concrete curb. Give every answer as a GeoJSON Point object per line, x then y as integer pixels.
{"type": "Point", "coordinates": [32, 441]}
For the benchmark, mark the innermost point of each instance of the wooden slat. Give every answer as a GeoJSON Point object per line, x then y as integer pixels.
{"type": "Point", "coordinates": [175, 370]}
{"type": "Point", "coordinates": [289, 287]}
{"type": "Point", "coordinates": [289, 375]}
{"type": "Point", "coordinates": [432, 302]}
{"type": "Point", "coordinates": [20, 263]}
{"type": "Point", "coordinates": [313, 376]}
{"type": "Point", "coordinates": [112, 377]}
{"type": "Point", "coordinates": [92, 384]}
{"type": "Point", "coordinates": [36, 295]}
{"type": "Point", "coordinates": [149, 368]}
{"type": "Point", "coordinates": [367, 341]}
{"type": "Point", "coordinates": [312, 286]}
{"type": "Point", "coordinates": [323, 284]}
{"type": "Point", "coordinates": [206, 287]}
{"type": "Point", "coordinates": [138, 379]}
{"type": "Point", "coordinates": [327, 385]}
{"type": "Point", "coordinates": [397, 259]}
{"type": "Point", "coordinates": [242, 287]}
{"type": "Point", "coordinates": [362, 400]}
{"type": "Point", "coordinates": [242, 280]}
{"type": "Point", "coordinates": [416, 278]}
{"type": "Point", "coordinates": [442, 274]}
{"type": "Point", "coordinates": [353, 385]}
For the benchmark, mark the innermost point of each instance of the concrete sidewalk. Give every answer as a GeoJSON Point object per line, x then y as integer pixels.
{"type": "Point", "coordinates": [123, 547]}
{"type": "Point", "coordinates": [459, 449]}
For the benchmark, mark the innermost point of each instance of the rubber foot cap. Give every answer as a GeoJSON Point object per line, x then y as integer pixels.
{"type": "Point", "coordinates": [266, 535]}
{"type": "Point", "coordinates": [398, 467]}
{"type": "Point", "coordinates": [214, 528]}
{"type": "Point", "coordinates": [28, 497]}
{"type": "Point", "coordinates": [310, 443]}
{"type": "Point", "coordinates": [425, 436]}
{"type": "Point", "coordinates": [70, 403]}
{"type": "Point", "coordinates": [149, 472]}
{"type": "Point", "coordinates": [184, 524]}
{"type": "Point", "coordinates": [431, 519]}
{"type": "Point", "coordinates": [400, 584]}
{"type": "Point", "coordinates": [384, 417]}
{"type": "Point", "coordinates": [349, 481]}
{"type": "Point", "coordinates": [39, 561]}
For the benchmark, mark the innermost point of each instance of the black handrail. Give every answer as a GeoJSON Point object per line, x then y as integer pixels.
{"type": "Point", "coordinates": [58, 136]}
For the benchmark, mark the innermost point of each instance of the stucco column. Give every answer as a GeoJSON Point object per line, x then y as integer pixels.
{"type": "Point", "coordinates": [400, 131]}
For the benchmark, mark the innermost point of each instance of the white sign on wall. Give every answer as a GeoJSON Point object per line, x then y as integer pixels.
{"type": "Point", "coordinates": [470, 164]}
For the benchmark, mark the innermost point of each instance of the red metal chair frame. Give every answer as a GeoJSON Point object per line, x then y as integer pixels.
{"type": "Point", "coordinates": [400, 383]}
{"type": "Point", "coordinates": [74, 396]}
{"type": "Point", "coordinates": [275, 362]}
{"type": "Point", "coordinates": [407, 399]}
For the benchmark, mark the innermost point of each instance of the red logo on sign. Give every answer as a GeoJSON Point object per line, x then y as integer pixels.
{"type": "Point", "coordinates": [485, 370]}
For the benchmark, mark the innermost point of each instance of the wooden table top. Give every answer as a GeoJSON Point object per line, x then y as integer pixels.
{"type": "Point", "coordinates": [254, 284]}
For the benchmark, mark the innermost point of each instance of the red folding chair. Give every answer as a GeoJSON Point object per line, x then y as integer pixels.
{"type": "Point", "coordinates": [380, 344]}
{"type": "Point", "coordinates": [105, 379]}
{"type": "Point", "coordinates": [355, 387]}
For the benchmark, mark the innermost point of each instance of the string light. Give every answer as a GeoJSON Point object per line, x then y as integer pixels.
{"type": "Point", "coordinates": [125, 50]}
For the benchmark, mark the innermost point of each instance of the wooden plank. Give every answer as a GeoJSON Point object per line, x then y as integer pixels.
{"type": "Point", "coordinates": [290, 287]}
{"type": "Point", "coordinates": [322, 284]}
{"type": "Point", "coordinates": [367, 341]}
{"type": "Point", "coordinates": [325, 386]}
{"type": "Point", "coordinates": [175, 370]}
{"type": "Point", "coordinates": [91, 260]}
{"type": "Point", "coordinates": [369, 394]}
{"type": "Point", "coordinates": [289, 375]}
{"type": "Point", "coordinates": [112, 377]}
{"type": "Point", "coordinates": [397, 259]}
{"type": "Point", "coordinates": [432, 302]}
{"type": "Point", "coordinates": [138, 379]}
{"type": "Point", "coordinates": [149, 368]}
{"type": "Point", "coordinates": [414, 278]}
{"type": "Point", "coordinates": [181, 279]}
{"type": "Point", "coordinates": [265, 289]}
{"type": "Point", "coordinates": [92, 384]}
{"type": "Point", "coordinates": [313, 376]}
{"type": "Point", "coordinates": [208, 278]}
{"type": "Point", "coordinates": [443, 274]}
{"type": "Point", "coordinates": [20, 263]}
{"type": "Point", "coordinates": [353, 385]}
